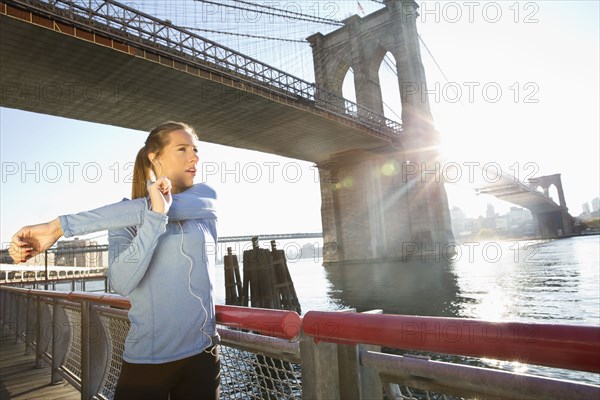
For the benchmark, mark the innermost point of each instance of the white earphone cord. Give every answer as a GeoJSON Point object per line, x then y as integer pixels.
{"type": "Point", "coordinates": [192, 293]}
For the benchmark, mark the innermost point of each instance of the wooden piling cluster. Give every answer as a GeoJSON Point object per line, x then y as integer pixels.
{"type": "Point", "coordinates": [284, 286]}
{"type": "Point", "coordinates": [267, 282]}
{"type": "Point", "coordinates": [233, 282]}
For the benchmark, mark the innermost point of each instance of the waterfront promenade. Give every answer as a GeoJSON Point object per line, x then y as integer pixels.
{"type": "Point", "coordinates": [20, 379]}
{"type": "Point", "coordinates": [313, 360]}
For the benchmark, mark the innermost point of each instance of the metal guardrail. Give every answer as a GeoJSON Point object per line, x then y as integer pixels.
{"type": "Point", "coordinates": [526, 342]}
{"type": "Point", "coordinates": [332, 355]}
{"type": "Point", "coordinates": [25, 274]}
{"type": "Point", "coordinates": [81, 337]}
{"type": "Point", "coordinates": [561, 346]}
{"type": "Point", "coordinates": [126, 24]}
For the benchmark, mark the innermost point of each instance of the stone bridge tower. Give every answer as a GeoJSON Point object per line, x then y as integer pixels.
{"type": "Point", "coordinates": [554, 223]}
{"type": "Point", "coordinates": [392, 203]}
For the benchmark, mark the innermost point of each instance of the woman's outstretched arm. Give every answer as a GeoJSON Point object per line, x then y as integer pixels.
{"type": "Point", "coordinates": [32, 240]}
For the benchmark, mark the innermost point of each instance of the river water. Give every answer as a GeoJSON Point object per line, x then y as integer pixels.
{"type": "Point", "coordinates": [551, 281]}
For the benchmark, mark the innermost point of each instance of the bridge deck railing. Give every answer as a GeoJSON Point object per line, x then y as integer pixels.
{"type": "Point", "coordinates": [333, 355]}
{"type": "Point", "coordinates": [118, 21]}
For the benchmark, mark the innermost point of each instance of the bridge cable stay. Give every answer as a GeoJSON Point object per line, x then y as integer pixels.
{"type": "Point", "coordinates": [433, 58]}
{"type": "Point", "coordinates": [273, 27]}
{"type": "Point", "coordinates": [247, 35]}
{"type": "Point", "coordinates": [303, 17]}
{"type": "Point", "coordinates": [386, 59]}
{"type": "Point", "coordinates": [460, 101]}
{"type": "Point", "coordinates": [325, 20]}
{"type": "Point", "coordinates": [275, 43]}
{"type": "Point", "coordinates": [392, 111]}
{"type": "Point", "coordinates": [390, 64]}
{"type": "Point", "coordinates": [181, 11]}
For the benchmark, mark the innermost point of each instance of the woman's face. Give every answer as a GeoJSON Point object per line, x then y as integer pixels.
{"type": "Point", "coordinates": [177, 161]}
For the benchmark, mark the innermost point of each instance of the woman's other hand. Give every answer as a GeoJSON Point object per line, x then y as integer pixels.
{"type": "Point", "coordinates": [32, 240]}
{"type": "Point", "coordinates": [160, 195]}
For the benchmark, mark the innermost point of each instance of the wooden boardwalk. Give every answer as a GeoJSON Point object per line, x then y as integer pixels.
{"type": "Point", "coordinates": [20, 380]}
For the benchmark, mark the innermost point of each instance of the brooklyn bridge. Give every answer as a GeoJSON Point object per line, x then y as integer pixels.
{"type": "Point", "coordinates": [106, 62]}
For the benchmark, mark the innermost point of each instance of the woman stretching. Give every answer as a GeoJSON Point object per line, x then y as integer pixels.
{"type": "Point", "coordinates": [158, 256]}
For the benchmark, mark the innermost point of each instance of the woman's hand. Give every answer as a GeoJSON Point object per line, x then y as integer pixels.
{"type": "Point", "coordinates": [160, 195]}
{"type": "Point", "coordinates": [32, 240]}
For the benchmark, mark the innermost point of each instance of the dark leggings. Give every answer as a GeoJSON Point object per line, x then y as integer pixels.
{"type": "Point", "coordinates": [195, 377]}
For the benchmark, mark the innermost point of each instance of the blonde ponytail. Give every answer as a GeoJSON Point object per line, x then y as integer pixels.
{"type": "Point", "coordinates": [141, 173]}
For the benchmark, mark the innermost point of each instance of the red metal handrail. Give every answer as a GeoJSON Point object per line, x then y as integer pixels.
{"type": "Point", "coordinates": [559, 346]}
{"type": "Point", "coordinates": [277, 323]}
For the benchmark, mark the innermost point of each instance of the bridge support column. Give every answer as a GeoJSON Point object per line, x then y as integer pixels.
{"type": "Point", "coordinates": [553, 224]}
{"type": "Point", "coordinates": [382, 207]}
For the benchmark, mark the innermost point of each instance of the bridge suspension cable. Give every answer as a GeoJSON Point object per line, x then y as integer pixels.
{"type": "Point", "coordinates": [281, 13]}
{"type": "Point", "coordinates": [388, 62]}
{"type": "Point", "coordinates": [325, 20]}
{"type": "Point", "coordinates": [392, 111]}
{"type": "Point", "coordinates": [267, 31]}
{"type": "Point", "coordinates": [245, 35]}
{"type": "Point", "coordinates": [433, 58]}
{"type": "Point", "coordinates": [439, 68]}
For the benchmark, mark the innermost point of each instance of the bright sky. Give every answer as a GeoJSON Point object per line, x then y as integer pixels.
{"type": "Point", "coordinates": [539, 65]}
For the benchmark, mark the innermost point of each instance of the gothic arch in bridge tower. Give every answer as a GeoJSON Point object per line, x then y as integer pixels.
{"type": "Point", "coordinates": [362, 44]}
{"type": "Point", "coordinates": [390, 95]}
{"type": "Point", "coordinates": [372, 209]}
{"type": "Point", "coordinates": [339, 75]}
{"type": "Point", "coordinates": [545, 183]}
{"type": "Point", "coordinates": [553, 193]}
{"type": "Point", "coordinates": [348, 89]}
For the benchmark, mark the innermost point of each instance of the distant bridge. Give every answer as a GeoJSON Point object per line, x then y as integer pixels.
{"type": "Point", "coordinates": [223, 239]}
{"type": "Point", "coordinates": [274, 236]}
{"type": "Point", "coordinates": [551, 219]}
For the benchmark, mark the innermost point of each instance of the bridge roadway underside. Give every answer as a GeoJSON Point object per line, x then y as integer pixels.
{"type": "Point", "coordinates": [49, 72]}
{"type": "Point", "coordinates": [527, 199]}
